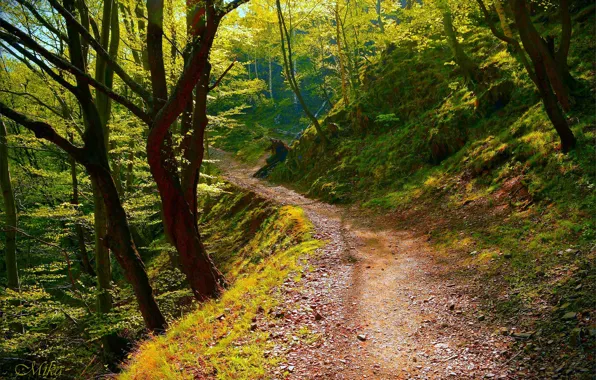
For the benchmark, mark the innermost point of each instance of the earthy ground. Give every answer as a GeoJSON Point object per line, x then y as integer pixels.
{"type": "Point", "coordinates": [377, 302]}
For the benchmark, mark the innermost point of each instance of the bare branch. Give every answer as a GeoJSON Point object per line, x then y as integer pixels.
{"type": "Point", "coordinates": [218, 81]}
{"type": "Point", "coordinates": [230, 7]}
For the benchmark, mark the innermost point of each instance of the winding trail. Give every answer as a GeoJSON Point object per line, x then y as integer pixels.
{"type": "Point", "coordinates": [376, 302]}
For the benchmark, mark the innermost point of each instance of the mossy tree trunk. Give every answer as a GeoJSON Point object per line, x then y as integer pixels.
{"type": "Point", "coordinates": [109, 40]}
{"type": "Point", "coordinates": [500, 8]}
{"type": "Point", "coordinates": [468, 67]}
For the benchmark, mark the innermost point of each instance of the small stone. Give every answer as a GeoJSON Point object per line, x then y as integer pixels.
{"type": "Point", "coordinates": [575, 337]}
{"type": "Point", "coordinates": [522, 335]}
{"type": "Point", "coordinates": [442, 345]}
{"type": "Point", "coordinates": [569, 316]}
{"type": "Point", "coordinates": [361, 337]}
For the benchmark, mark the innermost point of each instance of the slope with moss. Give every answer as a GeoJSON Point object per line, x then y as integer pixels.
{"type": "Point", "coordinates": [478, 169]}
{"type": "Point", "coordinates": [257, 245]}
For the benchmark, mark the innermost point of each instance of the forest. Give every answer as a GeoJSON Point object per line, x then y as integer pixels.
{"type": "Point", "coordinates": [283, 189]}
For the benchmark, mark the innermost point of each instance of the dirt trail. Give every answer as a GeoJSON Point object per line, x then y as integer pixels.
{"type": "Point", "coordinates": [376, 303]}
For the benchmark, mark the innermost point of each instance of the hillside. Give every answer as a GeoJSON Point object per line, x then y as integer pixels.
{"type": "Point", "coordinates": [478, 171]}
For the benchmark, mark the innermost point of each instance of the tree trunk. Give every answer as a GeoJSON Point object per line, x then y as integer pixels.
{"type": "Point", "coordinates": [84, 255]}
{"type": "Point", "coordinates": [130, 167]}
{"type": "Point", "coordinates": [102, 253]}
{"type": "Point", "coordinates": [467, 66]}
{"type": "Point", "coordinates": [270, 78]}
{"type": "Point", "coordinates": [95, 159]}
{"type": "Point", "coordinates": [535, 47]}
{"type": "Point", "coordinates": [180, 224]}
{"type": "Point", "coordinates": [342, 66]}
{"type": "Point", "coordinates": [120, 241]}
{"type": "Point", "coordinates": [104, 75]}
{"type": "Point", "coordinates": [499, 6]}
{"type": "Point", "coordinates": [12, 273]}
{"type": "Point", "coordinates": [179, 218]}
{"type": "Point", "coordinates": [290, 75]}
{"type": "Point", "coordinates": [379, 10]}
{"type": "Point", "coordinates": [563, 51]}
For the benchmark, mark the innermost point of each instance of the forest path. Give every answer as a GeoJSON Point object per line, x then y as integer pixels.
{"type": "Point", "coordinates": [376, 302]}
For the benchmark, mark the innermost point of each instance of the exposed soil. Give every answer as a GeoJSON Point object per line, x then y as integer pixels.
{"type": "Point", "coordinates": [378, 302]}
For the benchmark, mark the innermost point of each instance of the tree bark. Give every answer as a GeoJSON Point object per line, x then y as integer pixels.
{"type": "Point", "coordinates": [84, 255]}
{"type": "Point", "coordinates": [96, 163]}
{"type": "Point", "coordinates": [379, 9]}
{"type": "Point", "coordinates": [178, 215]}
{"type": "Point", "coordinates": [12, 273]}
{"type": "Point", "coordinates": [503, 18]}
{"type": "Point", "coordinates": [536, 48]}
{"type": "Point", "coordinates": [468, 67]}
{"type": "Point", "coordinates": [340, 57]}
{"type": "Point", "coordinates": [289, 69]}
{"type": "Point", "coordinates": [120, 241]}
{"type": "Point", "coordinates": [270, 78]}
{"type": "Point", "coordinates": [104, 75]}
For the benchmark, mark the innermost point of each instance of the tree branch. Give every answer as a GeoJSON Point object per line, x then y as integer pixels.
{"type": "Point", "coordinates": [67, 66]}
{"type": "Point", "coordinates": [511, 41]}
{"type": "Point", "coordinates": [26, 54]}
{"type": "Point", "coordinates": [218, 81]}
{"type": "Point", "coordinates": [42, 20]}
{"type": "Point", "coordinates": [230, 7]}
{"type": "Point", "coordinates": [44, 131]}
{"type": "Point", "coordinates": [37, 100]}
{"type": "Point", "coordinates": [136, 87]}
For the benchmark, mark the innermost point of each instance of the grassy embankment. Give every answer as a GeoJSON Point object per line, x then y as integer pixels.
{"type": "Point", "coordinates": [257, 245]}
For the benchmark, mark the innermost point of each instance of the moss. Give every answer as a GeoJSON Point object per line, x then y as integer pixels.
{"type": "Point", "coordinates": [216, 339]}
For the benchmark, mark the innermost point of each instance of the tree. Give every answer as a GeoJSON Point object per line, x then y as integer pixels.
{"type": "Point", "coordinates": [288, 63]}
{"type": "Point", "coordinates": [178, 192]}
{"type": "Point", "coordinates": [551, 74]}
{"type": "Point", "coordinates": [92, 155]}
{"type": "Point", "coordinates": [109, 40]}
{"type": "Point", "coordinates": [500, 8]}
{"type": "Point", "coordinates": [12, 273]}
{"type": "Point", "coordinates": [467, 66]}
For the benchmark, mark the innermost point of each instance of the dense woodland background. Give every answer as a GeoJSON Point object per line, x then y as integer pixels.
{"type": "Point", "coordinates": [116, 223]}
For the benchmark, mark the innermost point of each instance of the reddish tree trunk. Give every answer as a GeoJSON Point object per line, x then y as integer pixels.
{"type": "Point", "coordinates": [120, 241]}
